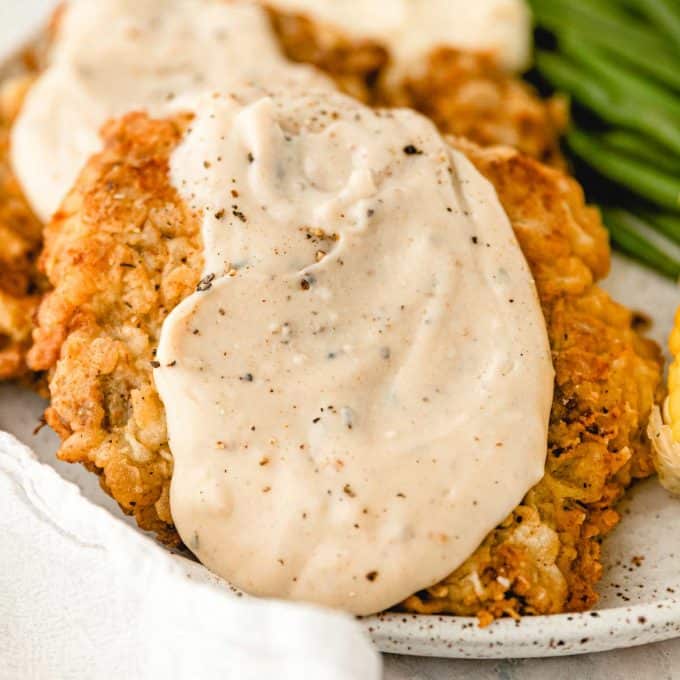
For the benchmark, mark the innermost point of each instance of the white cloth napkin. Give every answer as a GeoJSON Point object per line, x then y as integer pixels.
{"type": "Point", "coordinates": [83, 595]}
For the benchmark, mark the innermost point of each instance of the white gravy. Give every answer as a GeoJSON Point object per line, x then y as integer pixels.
{"type": "Point", "coordinates": [359, 390]}
{"type": "Point", "coordinates": [114, 56]}
{"type": "Point", "coordinates": [412, 29]}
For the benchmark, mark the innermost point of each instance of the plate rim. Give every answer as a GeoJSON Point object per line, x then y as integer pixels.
{"type": "Point", "coordinates": [565, 634]}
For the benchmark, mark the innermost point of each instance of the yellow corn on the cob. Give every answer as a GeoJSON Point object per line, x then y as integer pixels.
{"type": "Point", "coordinates": [664, 430]}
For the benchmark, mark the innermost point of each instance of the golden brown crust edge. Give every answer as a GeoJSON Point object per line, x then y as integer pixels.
{"type": "Point", "coordinates": [468, 95]}
{"type": "Point", "coordinates": [124, 251]}
{"type": "Point", "coordinates": [20, 240]}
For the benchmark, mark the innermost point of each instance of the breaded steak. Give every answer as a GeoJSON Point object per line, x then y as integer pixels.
{"type": "Point", "coordinates": [124, 250]}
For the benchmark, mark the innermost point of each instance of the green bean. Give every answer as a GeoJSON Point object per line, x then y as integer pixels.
{"type": "Point", "coordinates": [607, 71]}
{"type": "Point", "coordinates": [643, 149]}
{"type": "Point", "coordinates": [613, 33]}
{"type": "Point", "coordinates": [599, 15]}
{"type": "Point", "coordinates": [613, 105]}
{"type": "Point", "coordinates": [665, 223]}
{"type": "Point", "coordinates": [657, 65]}
{"type": "Point", "coordinates": [613, 62]}
{"type": "Point", "coordinates": [664, 13]}
{"type": "Point", "coordinates": [624, 230]}
{"type": "Point", "coordinates": [656, 186]}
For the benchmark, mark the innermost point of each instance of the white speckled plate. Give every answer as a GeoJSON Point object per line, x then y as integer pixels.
{"type": "Point", "coordinates": [640, 600]}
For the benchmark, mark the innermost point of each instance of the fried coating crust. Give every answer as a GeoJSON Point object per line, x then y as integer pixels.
{"type": "Point", "coordinates": [355, 65]}
{"type": "Point", "coordinates": [20, 240]}
{"type": "Point", "coordinates": [121, 253]}
{"type": "Point", "coordinates": [124, 251]}
{"type": "Point", "coordinates": [468, 95]}
{"type": "Point", "coordinates": [465, 94]}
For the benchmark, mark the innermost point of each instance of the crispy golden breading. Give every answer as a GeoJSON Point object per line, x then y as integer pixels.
{"type": "Point", "coordinates": [121, 253]}
{"type": "Point", "coordinates": [124, 251]}
{"type": "Point", "coordinates": [355, 65]}
{"type": "Point", "coordinates": [465, 94]}
{"type": "Point", "coordinates": [20, 240]}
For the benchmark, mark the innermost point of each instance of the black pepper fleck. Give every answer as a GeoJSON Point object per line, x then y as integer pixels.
{"type": "Point", "coordinates": [307, 281]}
{"type": "Point", "coordinates": [205, 283]}
{"type": "Point", "coordinates": [239, 214]}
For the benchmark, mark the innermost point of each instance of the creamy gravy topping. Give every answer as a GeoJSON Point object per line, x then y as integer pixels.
{"type": "Point", "coordinates": [114, 56]}
{"type": "Point", "coordinates": [411, 29]}
{"type": "Point", "coordinates": [359, 389]}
